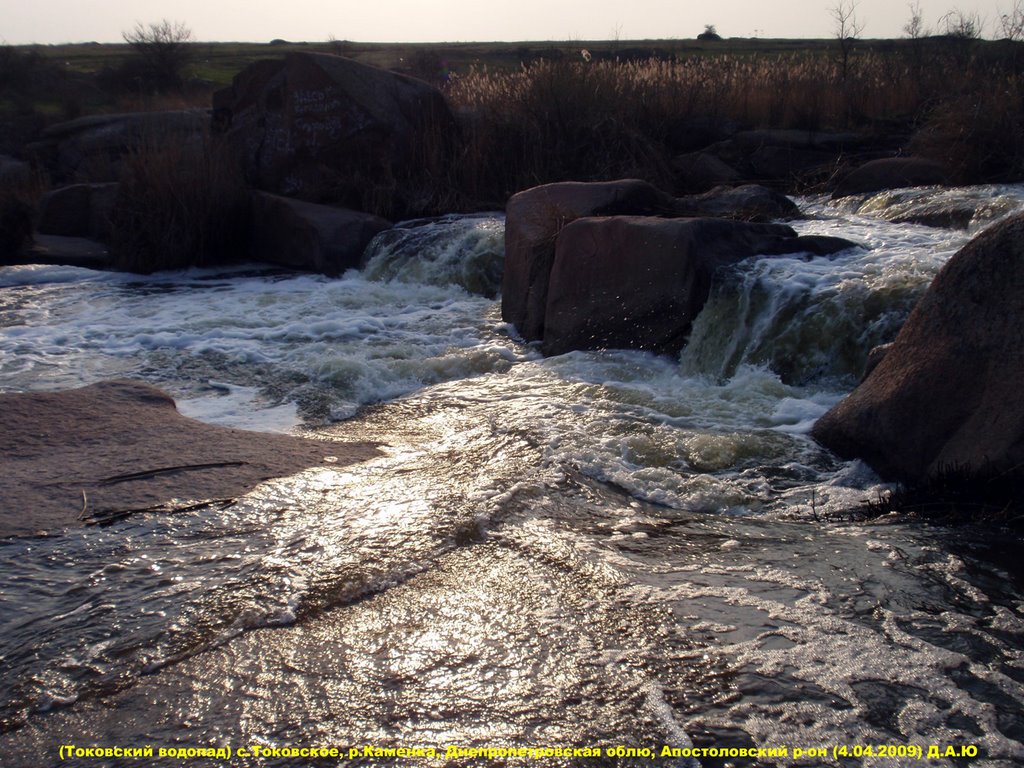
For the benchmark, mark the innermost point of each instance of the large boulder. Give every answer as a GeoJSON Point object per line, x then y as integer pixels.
{"type": "Point", "coordinates": [78, 210]}
{"type": "Point", "coordinates": [307, 236]}
{"type": "Point", "coordinates": [92, 149]}
{"type": "Point", "coordinates": [326, 128]}
{"type": "Point", "coordinates": [104, 450]}
{"type": "Point", "coordinates": [15, 228]}
{"type": "Point", "coordinates": [16, 209]}
{"type": "Point", "coordinates": [796, 138]}
{"type": "Point", "coordinates": [789, 164]}
{"type": "Point", "coordinates": [788, 156]}
{"type": "Point", "coordinates": [946, 394]}
{"type": "Point", "coordinates": [638, 282]}
{"type": "Point", "coordinates": [893, 173]}
{"type": "Point", "coordinates": [533, 219]}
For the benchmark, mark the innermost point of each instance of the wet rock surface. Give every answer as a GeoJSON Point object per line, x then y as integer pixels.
{"type": "Point", "coordinates": [945, 396]}
{"type": "Point", "coordinates": [82, 454]}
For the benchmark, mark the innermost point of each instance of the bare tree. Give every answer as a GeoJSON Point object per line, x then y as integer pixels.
{"type": "Point", "coordinates": [847, 28]}
{"type": "Point", "coordinates": [1011, 24]}
{"type": "Point", "coordinates": [162, 49]}
{"type": "Point", "coordinates": [914, 27]}
{"type": "Point", "coordinates": [710, 33]}
{"type": "Point", "coordinates": [916, 32]}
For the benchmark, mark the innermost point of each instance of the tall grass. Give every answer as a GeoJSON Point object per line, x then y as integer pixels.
{"type": "Point", "coordinates": [180, 203]}
{"type": "Point", "coordinates": [592, 120]}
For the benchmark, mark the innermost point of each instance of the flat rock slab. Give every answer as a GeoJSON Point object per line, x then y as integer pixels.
{"type": "Point", "coordinates": [81, 454]}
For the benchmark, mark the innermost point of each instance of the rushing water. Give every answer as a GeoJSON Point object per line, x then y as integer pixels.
{"type": "Point", "coordinates": [591, 550]}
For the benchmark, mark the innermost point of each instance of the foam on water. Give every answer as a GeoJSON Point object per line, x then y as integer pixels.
{"type": "Point", "coordinates": [857, 661]}
{"type": "Point", "coordinates": [467, 251]}
{"type": "Point", "coordinates": [814, 319]}
{"type": "Point", "coordinates": [969, 208]}
{"type": "Point", "coordinates": [328, 346]}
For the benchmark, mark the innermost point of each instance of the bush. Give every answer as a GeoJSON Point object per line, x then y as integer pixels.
{"type": "Point", "coordinates": [24, 73]}
{"type": "Point", "coordinates": [27, 78]}
{"type": "Point", "coordinates": [180, 203]}
{"type": "Point", "coordinates": [978, 129]}
{"type": "Point", "coordinates": [982, 138]}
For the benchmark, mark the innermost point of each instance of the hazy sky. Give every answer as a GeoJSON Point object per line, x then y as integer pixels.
{"type": "Point", "coordinates": [57, 21]}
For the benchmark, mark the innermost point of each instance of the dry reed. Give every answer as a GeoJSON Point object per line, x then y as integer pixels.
{"type": "Point", "coordinates": [600, 119]}
{"type": "Point", "coordinates": [180, 203]}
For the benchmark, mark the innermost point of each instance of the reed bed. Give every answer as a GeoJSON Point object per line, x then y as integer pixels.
{"type": "Point", "coordinates": [591, 120]}
{"type": "Point", "coordinates": [180, 203]}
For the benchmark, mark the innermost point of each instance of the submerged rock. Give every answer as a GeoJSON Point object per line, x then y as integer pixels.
{"type": "Point", "coordinates": [946, 394]}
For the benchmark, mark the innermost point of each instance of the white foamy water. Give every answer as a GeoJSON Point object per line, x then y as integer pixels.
{"type": "Point", "coordinates": [600, 548]}
{"type": "Point", "coordinates": [328, 346]}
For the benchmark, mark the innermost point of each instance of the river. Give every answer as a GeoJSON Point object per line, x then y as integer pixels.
{"type": "Point", "coordinates": [590, 551]}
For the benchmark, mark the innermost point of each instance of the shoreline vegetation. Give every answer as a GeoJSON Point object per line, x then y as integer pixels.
{"type": "Point", "coordinates": [676, 113]}
{"type": "Point", "coordinates": [532, 113]}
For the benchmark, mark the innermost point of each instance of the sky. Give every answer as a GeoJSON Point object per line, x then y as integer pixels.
{"type": "Point", "coordinates": [62, 21]}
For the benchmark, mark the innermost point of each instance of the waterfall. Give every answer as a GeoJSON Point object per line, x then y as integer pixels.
{"type": "Point", "coordinates": [467, 251]}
